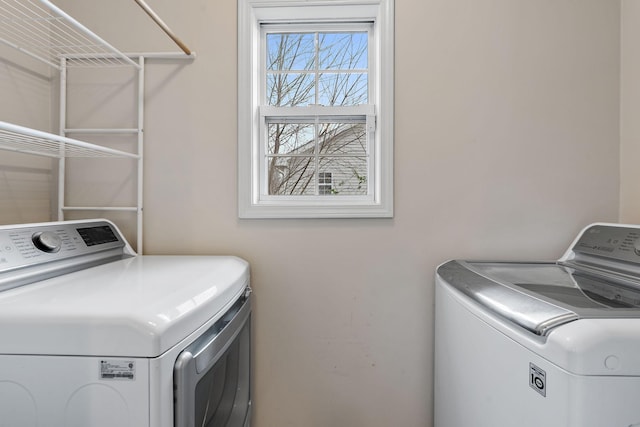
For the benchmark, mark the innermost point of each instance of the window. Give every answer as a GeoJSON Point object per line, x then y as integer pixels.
{"type": "Point", "coordinates": [315, 109]}
{"type": "Point", "coordinates": [325, 183]}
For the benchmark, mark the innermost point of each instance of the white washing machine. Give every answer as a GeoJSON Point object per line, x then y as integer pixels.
{"type": "Point", "coordinates": [552, 344]}
{"type": "Point", "coordinates": [93, 335]}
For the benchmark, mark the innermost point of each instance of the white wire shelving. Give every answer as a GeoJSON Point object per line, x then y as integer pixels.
{"type": "Point", "coordinates": [31, 141]}
{"type": "Point", "coordinates": [43, 31]}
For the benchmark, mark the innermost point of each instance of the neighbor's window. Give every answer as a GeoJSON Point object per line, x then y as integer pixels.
{"type": "Point", "coordinates": [315, 114]}
{"type": "Point", "coordinates": [325, 183]}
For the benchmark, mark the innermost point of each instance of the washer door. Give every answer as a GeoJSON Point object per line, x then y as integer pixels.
{"type": "Point", "coordinates": [212, 376]}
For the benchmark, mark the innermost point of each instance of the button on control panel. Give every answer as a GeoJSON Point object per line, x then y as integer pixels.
{"type": "Point", "coordinates": [636, 246]}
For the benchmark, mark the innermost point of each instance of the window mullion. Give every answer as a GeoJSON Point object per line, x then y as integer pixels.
{"type": "Point", "coordinates": [316, 68]}
{"type": "Point", "coordinates": [316, 155]}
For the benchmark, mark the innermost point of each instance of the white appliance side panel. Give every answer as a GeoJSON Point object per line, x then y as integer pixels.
{"type": "Point", "coordinates": [482, 379]}
{"type": "Point", "coordinates": [596, 347]}
{"type": "Point", "coordinates": [54, 391]}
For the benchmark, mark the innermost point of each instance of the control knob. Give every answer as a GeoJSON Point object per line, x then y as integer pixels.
{"type": "Point", "coordinates": [636, 246]}
{"type": "Point", "coordinates": [47, 241]}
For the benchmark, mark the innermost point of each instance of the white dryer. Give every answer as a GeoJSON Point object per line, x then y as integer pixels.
{"type": "Point", "coordinates": [533, 344]}
{"type": "Point", "coordinates": [93, 335]}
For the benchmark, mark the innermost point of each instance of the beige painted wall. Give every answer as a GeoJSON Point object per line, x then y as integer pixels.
{"type": "Point", "coordinates": [25, 182]}
{"type": "Point", "coordinates": [630, 105]}
{"type": "Point", "coordinates": [507, 130]}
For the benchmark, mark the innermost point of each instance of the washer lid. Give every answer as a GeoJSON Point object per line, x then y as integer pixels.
{"type": "Point", "coordinates": [136, 307]}
{"type": "Point", "coordinates": [530, 312]}
{"type": "Point", "coordinates": [541, 296]}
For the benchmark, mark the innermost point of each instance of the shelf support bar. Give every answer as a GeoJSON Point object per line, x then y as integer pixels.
{"type": "Point", "coordinates": [140, 201]}
{"type": "Point", "coordinates": [62, 125]}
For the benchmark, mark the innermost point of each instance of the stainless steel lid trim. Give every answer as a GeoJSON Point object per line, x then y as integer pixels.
{"type": "Point", "coordinates": [533, 314]}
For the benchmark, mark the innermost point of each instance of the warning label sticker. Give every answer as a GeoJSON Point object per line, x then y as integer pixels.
{"type": "Point", "coordinates": [117, 369]}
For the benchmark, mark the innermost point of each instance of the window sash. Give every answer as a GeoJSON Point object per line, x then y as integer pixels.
{"type": "Point", "coordinates": [271, 115]}
{"type": "Point", "coordinates": [317, 72]}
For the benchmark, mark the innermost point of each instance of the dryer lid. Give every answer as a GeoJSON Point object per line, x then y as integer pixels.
{"type": "Point", "coordinates": [136, 307]}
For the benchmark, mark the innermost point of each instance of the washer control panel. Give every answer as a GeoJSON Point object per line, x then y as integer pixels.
{"type": "Point", "coordinates": [30, 245]}
{"type": "Point", "coordinates": [612, 241]}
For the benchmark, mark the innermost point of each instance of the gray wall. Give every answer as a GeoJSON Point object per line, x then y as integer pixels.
{"type": "Point", "coordinates": [507, 143]}
{"type": "Point", "coordinates": [629, 108]}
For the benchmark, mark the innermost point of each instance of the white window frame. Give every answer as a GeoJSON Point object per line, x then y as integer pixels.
{"type": "Point", "coordinates": [252, 200]}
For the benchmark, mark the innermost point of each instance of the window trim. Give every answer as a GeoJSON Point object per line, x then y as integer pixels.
{"type": "Point", "coordinates": [253, 13]}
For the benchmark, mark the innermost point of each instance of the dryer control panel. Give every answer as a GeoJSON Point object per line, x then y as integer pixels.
{"type": "Point", "coordinates": [31, 252]}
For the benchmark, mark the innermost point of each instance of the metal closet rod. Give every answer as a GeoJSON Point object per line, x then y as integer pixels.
{"type": "Point", "coordinates": [164, 26]}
